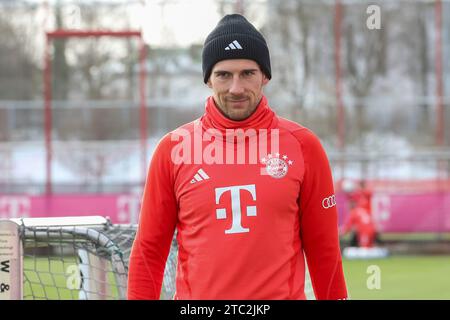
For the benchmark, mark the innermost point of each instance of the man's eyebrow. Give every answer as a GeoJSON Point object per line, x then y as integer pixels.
{"type": "Point", "coordinates": [244, 70]}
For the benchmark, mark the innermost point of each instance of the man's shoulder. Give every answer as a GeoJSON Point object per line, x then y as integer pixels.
{"type": "Point", "coordinates": [289, 125]}
{"type": "Point", "coordinates": [181, 131]}
{"type": "Point", "coordinates": [173, 137]}
{"type": "Point", "coordinates": [187, 127]}
{"type": "Point", "coordinates": [300, 132]}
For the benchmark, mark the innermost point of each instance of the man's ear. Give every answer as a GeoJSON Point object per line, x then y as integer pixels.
{"type": "Point", "coordinates": [209, 83]}
{"type": "Point", "coordinates": [265, 80]}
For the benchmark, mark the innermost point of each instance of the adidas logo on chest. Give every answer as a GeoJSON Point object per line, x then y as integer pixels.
{"type": "Point", "coordinates": [199, 176]}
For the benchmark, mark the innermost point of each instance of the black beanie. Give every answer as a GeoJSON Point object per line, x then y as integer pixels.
{"type": "Point", "coordinates": [235, 38]}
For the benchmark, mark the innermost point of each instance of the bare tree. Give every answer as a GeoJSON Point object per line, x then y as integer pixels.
{"type": "Point", "coordinates": [363, 58]}
{"type": "Point", "coordinates": [424, 66]}
{"type": "Point", "coordinates": [60, 68]}
{"type": "Point", "coordinates": [17, 67]}
{"type": "Point", "coordinates": [288, 32]}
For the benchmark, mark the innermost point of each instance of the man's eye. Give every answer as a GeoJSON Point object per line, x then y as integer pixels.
{"type": "Point", "coordinates": [249, 73]}
{"type": "Point", "coordinates": [222, 75]}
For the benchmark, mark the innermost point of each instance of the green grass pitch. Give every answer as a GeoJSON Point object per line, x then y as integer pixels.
{"type": "Point", "coordinates": [48, 279]}
{"type": "Point", "coordinates": [401, 277]}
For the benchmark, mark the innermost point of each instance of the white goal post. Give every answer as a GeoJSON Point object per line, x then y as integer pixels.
{"type": "Point", "coordinates": [84, 258]}
{"type": "Point", "coordinates": [73, 258]}
{"type": "Point", "coordinates": [10, 261]}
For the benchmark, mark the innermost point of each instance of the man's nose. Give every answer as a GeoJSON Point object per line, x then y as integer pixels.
{"type": "Point", "coordinates": [236, 86]}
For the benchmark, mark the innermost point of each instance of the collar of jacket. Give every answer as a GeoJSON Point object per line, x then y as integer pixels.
{"type": "Point", "coordinates": [262, 118]}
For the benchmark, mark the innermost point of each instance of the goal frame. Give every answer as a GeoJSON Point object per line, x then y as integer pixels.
{"type": "Point", "coordinates": [47, 80]}
{"type": "Point", "coordinates": [91, 276]}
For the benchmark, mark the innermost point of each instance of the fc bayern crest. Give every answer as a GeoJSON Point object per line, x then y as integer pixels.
{"type": "Point", "coordinates": [276, 167]}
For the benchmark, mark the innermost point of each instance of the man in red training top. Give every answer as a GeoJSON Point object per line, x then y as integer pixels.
{"type": "Point", "coordinates": [360, 221]}
{"type": "Point", "coordinates": [249, 193]}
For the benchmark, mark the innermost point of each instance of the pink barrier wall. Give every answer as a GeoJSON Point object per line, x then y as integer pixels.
{"type": "Point", "coordinates": [120, 208]}
{"type": "Point", "coordinates": [425, 212]}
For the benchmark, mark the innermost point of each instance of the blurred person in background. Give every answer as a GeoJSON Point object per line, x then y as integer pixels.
{"type": "Point", "coordinates": [360, 220]}
{"type": "Point", "coordinates": [243, 229]}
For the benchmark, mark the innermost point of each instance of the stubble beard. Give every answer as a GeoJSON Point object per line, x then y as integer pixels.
{"type": "Point", "coordinates": [236, 114]}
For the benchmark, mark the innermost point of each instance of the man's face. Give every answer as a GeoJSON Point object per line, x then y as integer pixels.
{"type": "Point", "coordinates": [237, 85]}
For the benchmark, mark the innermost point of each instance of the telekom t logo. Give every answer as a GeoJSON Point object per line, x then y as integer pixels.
{"type": "Point", "coordinates": [15, 206]}
{"type": "Point", "coordinates": [128, 207]}
{"type": "Point", "coordinates": [221, 213]}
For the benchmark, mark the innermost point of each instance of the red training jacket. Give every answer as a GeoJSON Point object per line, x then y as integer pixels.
{"type": "Point", "coordinates": [245, 220]}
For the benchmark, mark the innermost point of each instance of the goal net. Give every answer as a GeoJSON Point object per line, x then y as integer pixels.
{"type": "Point", "coordinates": [73, 258]}
{"type": "Point", "coordinates": [70, 258]}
